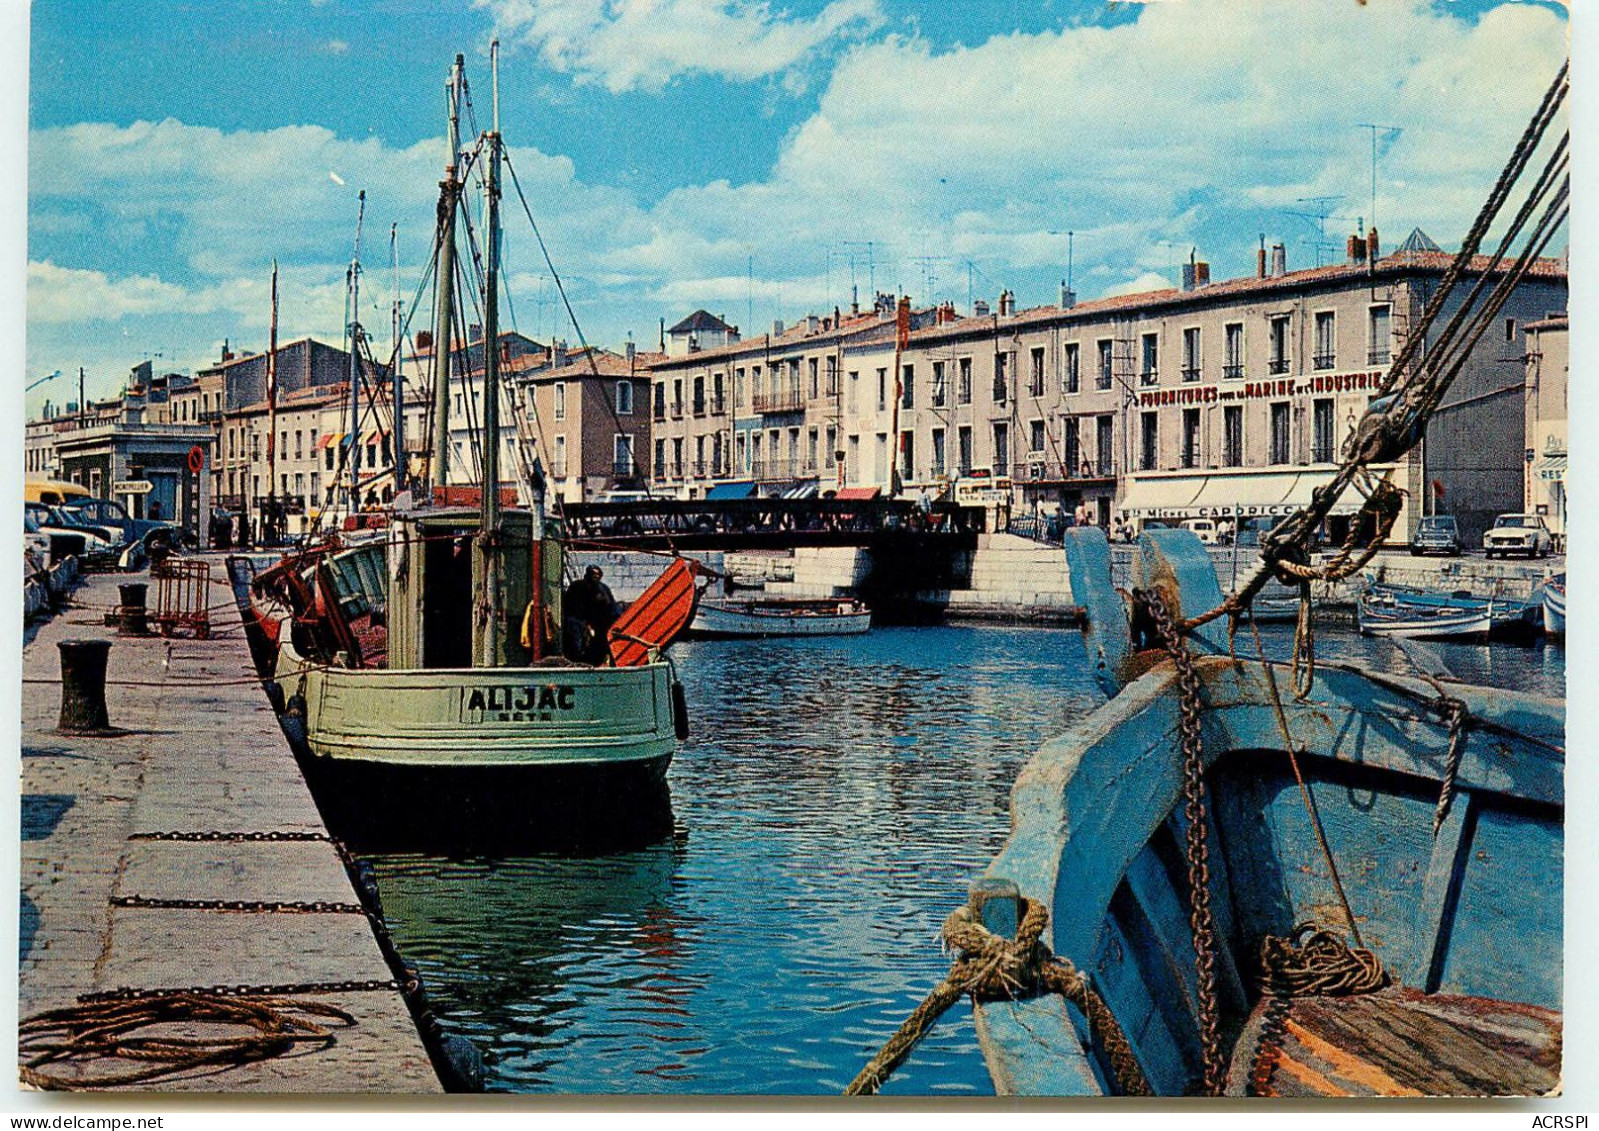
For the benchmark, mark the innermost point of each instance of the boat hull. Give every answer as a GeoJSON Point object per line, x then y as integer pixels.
{"type": "Point", "coordinates": [1420, 623]}
{"type": "Point", "coordinates": [714, 621]}
{"type": "Point", "coordinates": [502, 758]}
{"type": "Point", "coordinates": [1554, 610]}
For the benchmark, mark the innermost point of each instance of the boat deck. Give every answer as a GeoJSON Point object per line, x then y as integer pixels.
{"type": "Point", "coordinates": [199, 751]}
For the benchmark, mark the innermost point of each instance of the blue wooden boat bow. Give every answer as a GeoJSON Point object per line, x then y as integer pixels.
{"type": "Point", "coordinates": [1098, 828]}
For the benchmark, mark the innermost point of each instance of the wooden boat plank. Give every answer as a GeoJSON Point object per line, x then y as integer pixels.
{"type": "Point", "coordinates": [1130, 974]}
{"type": "Point", "coordinates": [1399, 1043]}
{"type": "Point", "coordinates": [1417, 964]}
{"type": "Point", "coordinates": [1006, 1028]}
{"type": "Point", "coordinates": [1228, 979]}
{"type": "Point", "coordinates": [1507, 922]}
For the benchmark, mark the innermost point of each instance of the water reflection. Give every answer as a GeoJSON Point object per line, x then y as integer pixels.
{"type": "Point", "coordinates": [839, 796]}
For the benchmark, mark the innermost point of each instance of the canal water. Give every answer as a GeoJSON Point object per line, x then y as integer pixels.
{"type": "Point", "coordinates": [835, 799]}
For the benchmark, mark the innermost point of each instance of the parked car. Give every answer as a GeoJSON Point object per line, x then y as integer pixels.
{"type": "Point", "coordinates": [1205, 529]}
{"type": "Point", "coordinates": [70, 535]}
{"type": "Point", "coordinates": [1436, 534]}
{"type": "Point", "coordinates": [148, 532]}
{"type": "Point", "coordinates": [1518, 534]}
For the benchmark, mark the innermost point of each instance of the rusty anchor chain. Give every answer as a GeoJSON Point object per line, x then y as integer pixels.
{"type": "Point", "coordinates": [1196, 849]}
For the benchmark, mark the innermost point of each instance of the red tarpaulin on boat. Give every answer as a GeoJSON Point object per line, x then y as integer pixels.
{"type": "Point", "coordinates": [654, 620]}
{"type": "Point", "coordinates": [857, 492]}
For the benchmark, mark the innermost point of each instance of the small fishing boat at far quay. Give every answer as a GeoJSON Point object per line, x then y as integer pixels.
{"type": "Point", "coordinates": [1554, 606]}
{"type": "Point", "coordinates": [1382, 613]}
{"type": "Point", "coordinates": [771, 616]}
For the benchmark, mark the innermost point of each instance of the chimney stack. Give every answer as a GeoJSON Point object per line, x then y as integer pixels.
{"type": "Point", "coordinates": [1260, 258]}
{"type": "Point", "coordinates": [1356, 249]}
{"type": "Point", "coordinates": [1068, 297]}
{"type": "Point", "coordinates": [1201, 274]}
{"type": "Point", "coordinates": [1279, 261]}
{"type": "Point", "coordinates": [777, 327]}
{"type": "Point", "coordinates": [1005, 304]}
{"type": "Point", "coordinates": [1371, 245]}
{"type": "Point", "coordinates": [980, 308]}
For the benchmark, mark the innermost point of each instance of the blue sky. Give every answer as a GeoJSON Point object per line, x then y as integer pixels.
{"type": "Point", "coordinates": [750, 158]}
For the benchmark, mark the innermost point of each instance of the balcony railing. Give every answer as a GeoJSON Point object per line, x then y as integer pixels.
{"type": "Point", "coordinates": [677, 411]}
{"type": "Point", "coordinates": [1190, 373]}
{"type": "Point", "coordinates": [1379, 355]}
{"type": "Point", "coordinates": [699, 407]}
{"type": "Point", "coordinates": [787, 401]}
{"type": "Point", "coordinates": [1277, 365]}
{"type": "Point", "coordinates": [1321, 452]}
{"type": "Point", "coordinates": [1324, 360]}
{"type": "Point", "coordinates": [624, 469]}
{"type": "Point", "coordinates": [1233, 372]}
{"type": "Point", "coordinates": [770, 470]}
{"type": "Point", "coordinates": [660, 470]}
{"type": "Point", "coordinates": [1149, 377]}
{"type": "Point", "coordinates": [660, 412]}
{"type": "Point", "coordinates": [717, 405]}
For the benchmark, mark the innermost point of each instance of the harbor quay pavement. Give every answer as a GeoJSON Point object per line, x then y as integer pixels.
{"type": "Point", "coordinates": [196, 749]}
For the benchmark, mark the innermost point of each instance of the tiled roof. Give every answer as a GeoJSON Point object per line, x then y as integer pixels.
{"type": "Point", "coordinates": [1247, 285]}
{"type": "Point", "coordinates": [700, 320]}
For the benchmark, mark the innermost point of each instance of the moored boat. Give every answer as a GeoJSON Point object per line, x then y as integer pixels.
{"type": "Point", "coordinates": [781, 617]}
{"type": "Point", "coordinates": [1441, 808]}
{"type": "Point", "coordinates": [1554, 606]}
{"type": "Point", "coordinates": [418, 671]}
{"type": "Point", "coordinates": [1382, 613]}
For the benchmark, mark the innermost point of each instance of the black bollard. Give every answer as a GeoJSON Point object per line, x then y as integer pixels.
{"type": "Point", "coordinates": [83, 664]}
{"type": "Point", "coordinates": [132, 614]}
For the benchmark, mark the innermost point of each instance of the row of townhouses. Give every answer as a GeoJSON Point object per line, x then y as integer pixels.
{"type": "Point", "coordinates": [1212, 399]}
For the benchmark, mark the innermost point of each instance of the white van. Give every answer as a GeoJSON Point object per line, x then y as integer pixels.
{"type": "Point", "coordinates": [1205, 528]}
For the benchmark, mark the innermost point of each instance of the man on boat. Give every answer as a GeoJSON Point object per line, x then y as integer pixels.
{"type": "Point", "coordinates": [588, 610]}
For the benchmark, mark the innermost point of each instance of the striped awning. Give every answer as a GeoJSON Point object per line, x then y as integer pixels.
{"type": "Point", "coordinates": [327, 438]}
{"type": "Point", "coordinates": [1552, 467]}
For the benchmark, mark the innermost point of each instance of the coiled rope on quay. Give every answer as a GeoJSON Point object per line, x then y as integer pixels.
{"type": "Point", "coordinates": [178, 1041]}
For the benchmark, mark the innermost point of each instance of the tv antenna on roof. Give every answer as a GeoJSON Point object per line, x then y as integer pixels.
{"type": "Point", "coordinates": [1394, 131]}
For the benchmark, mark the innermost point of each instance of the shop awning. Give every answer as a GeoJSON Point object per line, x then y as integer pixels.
{"type": "Point", "coordinates": [1228, 494]}
{"type": "Point", "coordinates": [806, 490]}
{"type": "Point", "coordinates": [1552, 467]}
{"type": "Point", "coordinates": [857, 492]}
{"type": "Point", "coordinates": [327, 438]}
{"type": "Point", "coordinates": [741, 490]}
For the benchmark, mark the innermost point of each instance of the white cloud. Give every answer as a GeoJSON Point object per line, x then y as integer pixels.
{"type": "Point", "coordinates": [1202, 122]}
{"type": "Point", "coordinates": [644, 44]}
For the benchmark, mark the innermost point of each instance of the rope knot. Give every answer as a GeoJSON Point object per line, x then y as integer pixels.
{"type": "Point", "coordinates": [990, 967]}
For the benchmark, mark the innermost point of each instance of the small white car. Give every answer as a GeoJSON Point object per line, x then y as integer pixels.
{"type": "Point", "coordinates": [1205, 529]}
{"type": "Point", "coordinates": [1518, 534]}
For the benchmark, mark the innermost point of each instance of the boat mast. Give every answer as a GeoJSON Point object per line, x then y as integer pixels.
{"type": "Point", "coordinates": [397, 431]}
{"type": "Point", "coordinates": [353, 458]}
{"type": "Point", "coordinates": [444, 323]}
{"type": "Point", "coordinates": [491, 642]}
{"type": "Point", "coordinates": [272, 399]}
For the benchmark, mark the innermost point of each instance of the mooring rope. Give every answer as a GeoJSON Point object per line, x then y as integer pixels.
{"type": "Point", "coordinates": [91, 1032]}
{"type": "Point", "coordinates": [991, 968]}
